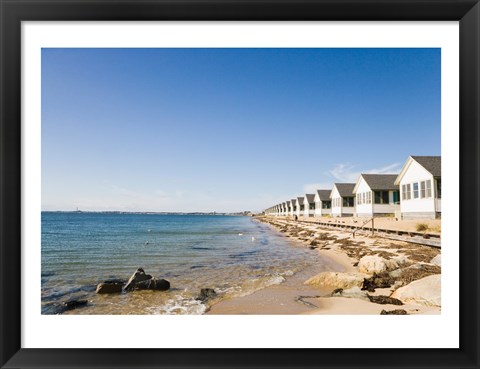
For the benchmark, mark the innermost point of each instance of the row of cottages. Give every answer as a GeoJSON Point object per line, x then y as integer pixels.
{"type": "Point", "coordinates": [415, 193]}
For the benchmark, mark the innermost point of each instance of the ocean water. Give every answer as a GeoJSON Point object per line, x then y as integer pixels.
{"type": "Point", "coordinates": [234, 255]}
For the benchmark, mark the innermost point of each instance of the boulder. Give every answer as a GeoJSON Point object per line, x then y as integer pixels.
{"type": "Point", "coordinates": [142, 281]}
{"type": "Point", "coordinates": [153, 284]}
{"type": "Point", "coordinates": [401, 260]}
{"type": "Point", "coordinates": [137, 277]}
{"type": "Point", "coordinates": [437, 260]}
{"type": "Point", "coordinates": [425, 291]}
{"type": "Point", "coordinates": [110, 287]}
{"type": "Point", "coordinates": [375, 264]}
{"type": "Point", "coordinates": [206, 294]}
{"type": "Point", "coordinates": [397, 273]}
{"type": "Point", "coordinates": [336, 280]}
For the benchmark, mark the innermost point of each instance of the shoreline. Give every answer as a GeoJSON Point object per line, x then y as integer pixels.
{"type": "Point", "coordinates": [409, 263]}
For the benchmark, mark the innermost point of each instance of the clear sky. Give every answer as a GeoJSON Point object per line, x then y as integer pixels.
{"type": "Point", "coordinates": [228, 129]}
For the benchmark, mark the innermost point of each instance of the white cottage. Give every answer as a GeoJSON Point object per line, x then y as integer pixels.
{"type": "Point", "coordinates": [288, 208]}
{"type": "Point", "coordinates": [299, 207]}
{"type": "Point", "coordinates": [342, 199]}
{"type": "Point", "coordinates": [421, 187]}
{"type": "Point", "coordinates": [293, 210]}
{"type": "Point", "coordinates": [376, 195]}
{"type": "Point", "coordinates": [309, 205]}
{"type": "Point", "coordinates": [283, 206]}
{"type": "Point", "coordinates": [323, 203]}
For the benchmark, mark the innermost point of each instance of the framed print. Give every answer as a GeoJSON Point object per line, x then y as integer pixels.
{"type": "Point", "coordinates": [239, 184]}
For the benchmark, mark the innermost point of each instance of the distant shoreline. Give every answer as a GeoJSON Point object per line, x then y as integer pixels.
{"type": "Point", "coordinates": [142, 212]}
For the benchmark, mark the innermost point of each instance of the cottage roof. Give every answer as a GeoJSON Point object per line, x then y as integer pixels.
{"type": "Point", "coordinates": [381, 181]}
{"type": "Point", "coordinates": [324, 195]}
{"type": "Point", "coordinates": [300, 200]}
{"type": "Point", "coordinates": [345, 189]}
{"type": "Point", "coordinates": [431, 163]}
{"type": "Point", "coordinates": [310, 197]}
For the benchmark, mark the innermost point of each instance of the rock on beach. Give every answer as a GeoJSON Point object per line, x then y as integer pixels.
{"type": "Point", "coordinates": [437, 260]}
{"type": "Point", "coordinates": [110, 287]}
{"type": "Point", "coordinates": [336, 280]}
{"type": "Point", "coordinates": [425, 291]}
{"type": "Point", "coordinates": [375, 264]}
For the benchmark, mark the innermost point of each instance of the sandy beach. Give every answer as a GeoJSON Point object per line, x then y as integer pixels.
{"type": "Point", "coordinates": [367, 274]}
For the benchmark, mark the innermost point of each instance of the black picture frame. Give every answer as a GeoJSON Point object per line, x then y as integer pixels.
{"type": "Point", "coordinates": [13, 12]}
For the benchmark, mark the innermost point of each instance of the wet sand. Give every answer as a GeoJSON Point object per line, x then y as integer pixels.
{"type": "Point", "coordinates": [285, 298]}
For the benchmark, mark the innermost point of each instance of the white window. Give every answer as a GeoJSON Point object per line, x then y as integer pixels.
{"type": "Point", "coordinates": [429, 189]}
{"type": "Point", "coordinates": [408, 192]}
{"type": "Point", "coordinates": [415, 190]}
{"type": "Point", "coordinates": [422, 189]}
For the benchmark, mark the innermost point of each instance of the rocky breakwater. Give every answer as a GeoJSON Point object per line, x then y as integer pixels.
{"type": "Point", "coordinates": [392, 282]}
{"type": "Point", "coordinates": [382, 271]}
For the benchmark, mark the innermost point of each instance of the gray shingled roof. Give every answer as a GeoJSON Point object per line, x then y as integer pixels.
{"type": "Point", "coordinates": [381, 181]}
{"type": "Point", "coordinates": [345, 189]}
{"type": "Point", "coordinates": [431, 163]}
{"type": "Point", "coordinates": [300, 200]}
{"type": "Point", "coordinates": [310, 197]}
{"type": "Point", "coordinates": [324, 194]}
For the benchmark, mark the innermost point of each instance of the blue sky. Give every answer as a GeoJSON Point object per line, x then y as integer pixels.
{"type": "Point", "coordinates": [228, 129]}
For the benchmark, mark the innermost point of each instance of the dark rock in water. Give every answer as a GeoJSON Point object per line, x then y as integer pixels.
{"type": "Point", "coordinates": [73, 304]}
{"type": "Point", "coordinates": [385, 300]}
{"type": "Point", "coordinates": [137, 277]}
{"type": "Point", "coordinates": [206, 294]}
{"type": "Point", "coordinates": [377, 281]}
{"type": "Point", "coordinates": [153, 284]}
{"type": "Point", "coordinates": [394, 312]}
{"type": "Point", "coordinates": [115, 280]}
{"type": "Point", "coordinates": [110, 287]}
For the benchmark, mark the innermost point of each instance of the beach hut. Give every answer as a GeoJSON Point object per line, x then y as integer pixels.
{"type": "Point", "coordinates": [421, 187]}
{"type": "Point", "coordinates": [294, 207]}
{"type": "Point", "coordinates": [323, 203]}
{"type": "Point", "coordinates": [309, 205]}
{"type": "Point", "coordinates": [299, 207]}
{"type": "Point", "coordinates": [342, 199]}
{"type": "Point", "coordinates": [376, 195]}
{"type": "Point", "coordinates": [289, 208]}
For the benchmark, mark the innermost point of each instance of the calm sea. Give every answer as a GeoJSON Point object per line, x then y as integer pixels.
{"type": "Point", "coordinates": [233, 255]}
